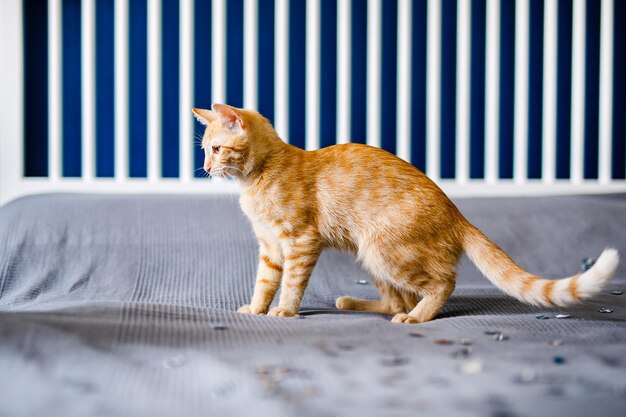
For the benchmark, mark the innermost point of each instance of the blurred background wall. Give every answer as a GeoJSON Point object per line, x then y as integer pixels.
{"type": "Point", "coordinates": [418, 78]}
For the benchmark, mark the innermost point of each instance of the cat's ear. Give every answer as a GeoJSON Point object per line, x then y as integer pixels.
{"type": "Point", "coordinates": [204, 116]}
{"type": "Point", "coordinates": [231, 116]}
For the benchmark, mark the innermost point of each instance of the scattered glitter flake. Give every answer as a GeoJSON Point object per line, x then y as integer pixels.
{"type": "Point", "coordinates": [175, 361]}
{"type": "Point", "coordinates": [415, 334]}
{"type": "Point", "coordinates": [527, 376]}
{"type": "Point", "coordinates": [562, 316]}
{"type": "Point", "coordinates": [394, 361]}
{"type": "Point", "coordinates": [605, 310]}
{"type": "Point", "coordinates": [444, 342]}
{"type": "Point", "coordinates": [361, 282]}
{"type": "Point", "coordinates": [462, 353]}
{"type": "Point", "coordinates": [473, 367]}
{"type": "Point", "coordinates": [218, 327]}
{"type": "Point", "coordinates": [541, 317]}
{"type": "Point", "coordinates": [499, 337]}
{"type": "Point", "coordinates": [559, 360]}
{"type": "Point", "coordinates": [617, 292]}
{"type": "Point", "coordinates": [492, 332]}
{"type": "Point", "coordinates": [587, 263]}
{"type": "Point", "coordinates": [466, 342]}
{"type": "Point", "coordinates": [555, 342]}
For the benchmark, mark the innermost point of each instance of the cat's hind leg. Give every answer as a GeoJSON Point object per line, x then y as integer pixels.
{"type": "Point", "coordinates": [434, 294]}
{"type": "Point", "coordinates": [392, 301]}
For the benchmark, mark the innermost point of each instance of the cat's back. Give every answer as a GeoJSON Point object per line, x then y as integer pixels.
{"type": "Point", "coordinates": [360, 185]}
{"type": "Point", "coordinates": [356, 166]}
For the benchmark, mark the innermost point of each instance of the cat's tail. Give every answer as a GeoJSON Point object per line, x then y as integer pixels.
{"type": "Point", "coordinates": [505, 274]}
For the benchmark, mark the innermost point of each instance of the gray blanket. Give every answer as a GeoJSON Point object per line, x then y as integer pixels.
{"type": "Point", "coordinates": [124, 306]}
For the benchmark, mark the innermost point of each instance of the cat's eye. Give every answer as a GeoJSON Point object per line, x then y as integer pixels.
{"type": "Point", "coordinates": [215, 149]}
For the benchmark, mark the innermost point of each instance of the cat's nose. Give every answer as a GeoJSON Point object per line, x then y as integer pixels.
{"type": "Point", "coordinates": [207, 169]}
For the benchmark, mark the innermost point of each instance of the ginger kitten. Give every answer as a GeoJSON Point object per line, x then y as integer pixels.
{"type": "Point", "coordinates": [402, 228]}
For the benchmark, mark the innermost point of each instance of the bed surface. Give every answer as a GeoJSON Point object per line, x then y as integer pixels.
{"type": "Point", "coordinates": [124, 306]}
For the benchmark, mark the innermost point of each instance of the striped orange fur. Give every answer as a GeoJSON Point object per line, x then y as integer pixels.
{"type": "Point", "coordinates": [399, 224]}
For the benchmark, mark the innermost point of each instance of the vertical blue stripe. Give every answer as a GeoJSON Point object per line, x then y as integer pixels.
{"type": "Point", "coordinates": [266, 59]}
{"type": "Point", "coordinates": [234, 53]}
{"type": "Point", "coordinates": [389, 64]}
{"type": "Point", "coordinates": [297, 70]}
{"type": "Point", "coordinates": [477, 90]}
{"type": "Point", "coordinates": [448, 88]}
{"type": "Point", "coordinates": [535, 97]}
{"type": "Point", "coordinates": [202, 74]}
{"type": "Point", "coordinates": [35, 20]}
{"type": "Point", "coordinates": [418, 84]}
{"type": "Point", "coordinates": [619, 90]}
{"type": "Point", "coordinates": [564, 89]}
{"type": "Point", "coordinates": [105, 82]}
{"type": "Point", "coordinates": [71, 57]}
{"type": "Point", "coordinates": [138, 89]}
{"type": "Point", "coordinates": [507, 72]}
{"type": "Point", "coordinates": [328, 75]}
{"type": "Point", "coordinates": [592, 81]}
{"type": "Point", "coordinates": [358, 101]}
{"type": "Point", "coordinates": [170, 85]}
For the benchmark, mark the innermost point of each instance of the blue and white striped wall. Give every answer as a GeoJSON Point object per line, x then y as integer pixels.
{"type": "Point", "coordinates": [480, 94]}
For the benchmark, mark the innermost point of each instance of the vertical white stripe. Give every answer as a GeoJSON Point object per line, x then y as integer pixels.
{"type": "Point", "coordinates": [281, 69]}
{"type": "Point", "coordinates": [12, 100]}
{"type": "Point", "coordinates": [374, 64]}
{"type": "Point", "coordinates": [606, 87]}
{"type": "Point", "coordinates": [313, 21]}
{"type": "Point", "coordinates": [251, 53]}
{"type": "Point", "coordinates": [522, 33]}
{"type": "Point", "coordinates": [88, 98]}
{"type": "Point", "coordinates": [218, 79]}
{"type": "Point", "coordinates": [578, 90]}
{"type": "Point", "coordinates": [549, 91]}
{"type": "Point", "coordinates": [154, 90]}
{"type": "Point", "coordinates": [463, 45]}
{"type": "Point", "coordinates": [186, 42]}
{"type": "Point", "coordinates": [492, 91]}
{"type": "Point", "coordinates": [433, 89]}
{"type": "Point", "coordinates": [121, 90]}
{"type": "Point", "coordinates": [55, 83]}
{"type": "Point", "coordinates": [344, 91]}
{"type": "Point", "coordinates": [403, 93]}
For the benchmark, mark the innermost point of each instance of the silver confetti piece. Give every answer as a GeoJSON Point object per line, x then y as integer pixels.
{"type": "Point", "coordinates": [562, 316]}
{"type": "Point", "coordinates": [605, 310]}
{"type": "Point", "coordinates": [587, 263]}
{"type": "Point", "coordinates": [541, 317]}
{"type": "Point", "coordinates": [526, 376]}
{"type": "Point", "coordinates": [361, 282]}
{"type": "Point", "coordinates": [473, 367]}
{"type": "Point", "coordinates": [617, 292]}
{"type": "Point", "coordinates": [555, 342]}
{"type": "Point", "coordinates": [175, 361]}
{"type": "Point", "coordinates": [500, 337]}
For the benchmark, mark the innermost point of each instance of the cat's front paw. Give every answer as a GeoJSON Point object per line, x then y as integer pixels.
{"type": "Point", "coordinates": [281, 312]}
{"type": "Point", "coordinates": [403, 318]}
{"type": "Point", "coordinates": [244, 310]}
{"type": "Point", "coordinates": [250, 310]}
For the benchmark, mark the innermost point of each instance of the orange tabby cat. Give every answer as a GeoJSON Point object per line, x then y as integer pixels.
{"type": "Point", "coordinates": [403, 229]}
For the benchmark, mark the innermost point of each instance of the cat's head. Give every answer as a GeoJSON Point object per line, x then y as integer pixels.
{"type": "Point", "coordinates": [227, 140]}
